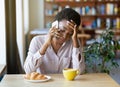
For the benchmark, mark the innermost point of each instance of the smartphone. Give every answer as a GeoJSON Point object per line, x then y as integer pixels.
{"type": "Point", "coordinates": [55, 23]}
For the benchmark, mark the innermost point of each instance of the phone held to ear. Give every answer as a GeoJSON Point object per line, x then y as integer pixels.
{"type": "Point", "coordinates": [55, 24]}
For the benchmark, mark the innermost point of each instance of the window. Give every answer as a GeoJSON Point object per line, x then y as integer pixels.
{"type": "Point", "coordinates": [2, 33]}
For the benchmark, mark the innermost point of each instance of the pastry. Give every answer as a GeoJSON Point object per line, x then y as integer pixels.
{"type": "Point", "coordinates": [35, 76]}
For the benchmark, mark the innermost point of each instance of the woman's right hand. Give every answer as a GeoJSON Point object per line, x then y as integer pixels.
{"type": "Point", "coordinates": [50, 35]}
{"type": "Point", "coordinates": [48, 41]}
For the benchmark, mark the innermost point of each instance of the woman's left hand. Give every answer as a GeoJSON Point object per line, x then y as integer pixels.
{"type": "Point", "coordinates": [74, 27]}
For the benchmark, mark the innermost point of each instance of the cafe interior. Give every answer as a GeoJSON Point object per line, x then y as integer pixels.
{"type": "Point", "coordinates": [21, 20]}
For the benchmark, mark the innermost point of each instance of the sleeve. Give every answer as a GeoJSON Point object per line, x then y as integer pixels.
{"type": "Point", "coordinates": [78, 64]}
{"type": "Point", "coordinates": [34, 59]}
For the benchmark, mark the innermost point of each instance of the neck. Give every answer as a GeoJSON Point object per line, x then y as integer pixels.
{"type": "Point", "coordinates": [56, 45]}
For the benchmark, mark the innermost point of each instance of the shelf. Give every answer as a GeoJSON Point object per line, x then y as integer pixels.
{"type": "Point", "coordinates": [76, 4]}
{"type": "Point", "coordinates": [94, 11]}
{"type": "Point", "coordinates": [80, 15]}
{"type": "Point", "coordinates": [105, 2]}
{"type": "Point", "coordinates": [81, 3]}
{"type": "Point", "coordinates": [99, 15]}
{"type": "Point", "coordinates": [108, 16]}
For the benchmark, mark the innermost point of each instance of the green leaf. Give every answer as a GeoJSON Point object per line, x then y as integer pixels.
{"type": "Point", "coordinates": [98, 55]}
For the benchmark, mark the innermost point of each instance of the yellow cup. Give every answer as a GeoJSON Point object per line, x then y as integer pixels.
{"type": "Point", "coordinates": [70, 74]}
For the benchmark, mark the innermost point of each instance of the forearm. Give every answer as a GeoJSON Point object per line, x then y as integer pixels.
{"type": "Point", "coordinates": [45, 45]}
{"type": "Point", "coordinates": [32, 62]}
{"type": "Point", "coordinates": [48, 41]}
{"type": "Point", "coordinates": [43, 49]}
{"type": "Point", "coordinates": [75, 43]}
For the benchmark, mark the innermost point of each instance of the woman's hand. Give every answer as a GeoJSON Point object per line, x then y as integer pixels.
{"type": "Point", "coordinates": [50, 35]}
{"type": "Point", "coordinates": [75, 30]}
{"type": "Point", "coordinates": [48, 41]}
{"type": "Point", "coordinates": [74, 27]}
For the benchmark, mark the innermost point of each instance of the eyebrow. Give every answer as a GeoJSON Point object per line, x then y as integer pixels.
{"type": "Point", "coordinates": [67, 28]}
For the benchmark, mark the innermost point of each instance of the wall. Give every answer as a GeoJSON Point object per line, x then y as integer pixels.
{"type": "Point", "coordinates": [2, 33]}
{"type": "Point", "coordinates": [36, 17]}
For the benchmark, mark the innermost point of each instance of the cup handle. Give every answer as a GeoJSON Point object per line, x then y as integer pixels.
{"type": "Point", "coordinates": [77, 72]}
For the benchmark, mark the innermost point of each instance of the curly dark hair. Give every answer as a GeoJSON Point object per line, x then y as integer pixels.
{"type": "Point", "coordinates": [68, 14]}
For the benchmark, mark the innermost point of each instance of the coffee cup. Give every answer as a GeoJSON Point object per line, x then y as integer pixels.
{"type": "Point", "coordinates": [70, 74]}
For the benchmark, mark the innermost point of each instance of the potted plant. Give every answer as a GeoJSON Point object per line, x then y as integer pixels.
{"type": "Point", "coordinates": [100, 55]}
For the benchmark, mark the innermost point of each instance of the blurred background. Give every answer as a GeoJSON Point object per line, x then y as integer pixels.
{"type": "Point", "coordinates": [21, 20]}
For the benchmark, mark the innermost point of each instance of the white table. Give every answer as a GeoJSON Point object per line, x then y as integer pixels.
{"type": "Point", "coordinates": [86, 80]}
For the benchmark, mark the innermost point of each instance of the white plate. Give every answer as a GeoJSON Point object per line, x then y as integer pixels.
{"type": "Point", "coordinates": [48, 78]}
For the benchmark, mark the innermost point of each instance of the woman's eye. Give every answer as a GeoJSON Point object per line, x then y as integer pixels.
{"type": "Point", "coordinates": [71, 34]}
{"type": "Point", "coordinates": [62, 31]}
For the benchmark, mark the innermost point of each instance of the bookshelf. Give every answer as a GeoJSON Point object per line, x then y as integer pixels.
{"type": "Point", "coordinates": [95, 14]}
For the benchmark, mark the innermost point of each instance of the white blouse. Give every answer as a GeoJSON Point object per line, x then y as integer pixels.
{"type": "Point", "coordinates": [50, 62]}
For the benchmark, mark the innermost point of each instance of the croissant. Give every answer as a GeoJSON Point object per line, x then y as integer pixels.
{"type": "Point", "coordinates": [35, 76]}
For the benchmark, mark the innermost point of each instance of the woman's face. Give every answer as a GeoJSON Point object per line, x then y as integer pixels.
{"type": "Point", "coordinates": [65, 31]}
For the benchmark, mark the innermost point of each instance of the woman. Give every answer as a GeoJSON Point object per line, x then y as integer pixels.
{"type": "Point", "coordinates": [59, 49]}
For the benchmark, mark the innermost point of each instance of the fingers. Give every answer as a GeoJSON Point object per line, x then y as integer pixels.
{"type": "Point", "coordinates": [71, 24]}
{"type": "Point", "coordinates": [55, 32]}
{"type": "Point", "coordinates": [57, 35]}
{"type": "Point", "coordinates": [52, 30]}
